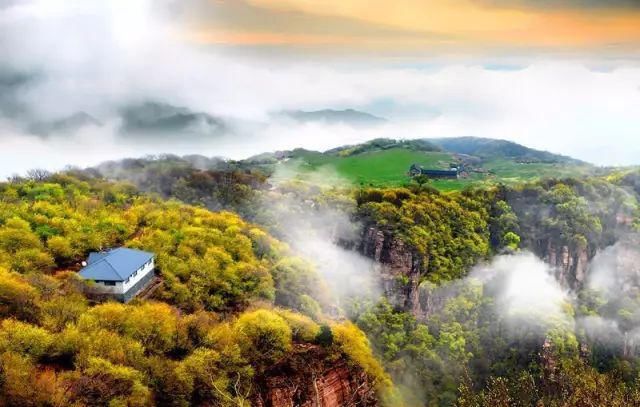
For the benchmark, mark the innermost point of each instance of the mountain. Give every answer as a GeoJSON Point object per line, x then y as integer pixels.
{"type": "Point", "coordinates": [384, 144]}
{"type": "Point", "coordinates": [238, 305]}
{"type": "Point", "coordinates": [386, 162]}
{"type": "Point", "coordinates": [69, 124]}
{"type": "Point", "coordinates": [486, 148]}
{"type": "Point", "coordinates": [155, 117]}
{"type": "Point", "coordinates": [349, 116]}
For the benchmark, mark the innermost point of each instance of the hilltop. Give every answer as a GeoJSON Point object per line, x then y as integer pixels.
{"type": "Point", "coordinates": [380, 162]}
{"type": "Point", "coordinates": [487, 148]}
{"type": "Point", "coordinates": [386, 162]}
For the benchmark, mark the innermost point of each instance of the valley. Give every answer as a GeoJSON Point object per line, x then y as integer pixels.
{"type": "Point", "coordinates": [337, 203]}
{"type": "Point", "coordinates": [323, 289]}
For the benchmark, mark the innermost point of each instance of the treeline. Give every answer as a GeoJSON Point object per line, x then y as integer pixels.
{"type": "Point", "coordinates": [453, 231]}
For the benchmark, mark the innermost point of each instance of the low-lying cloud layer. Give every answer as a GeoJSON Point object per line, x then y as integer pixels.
{"type": "Point", "coordinates": [525, 289]}
{"type": "Point", "coordinates": [71, 73]}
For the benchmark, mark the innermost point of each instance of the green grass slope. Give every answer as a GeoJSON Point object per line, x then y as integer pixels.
{"type": "Point", "coordinates": [386, 162]}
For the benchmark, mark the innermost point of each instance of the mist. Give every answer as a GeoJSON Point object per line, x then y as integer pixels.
{"type": "Point", "coordinates": [524, 288]}
{"type": "Point", "coordinates": [315, 231]}
{"type": "Point", "coordinates": [62, 60]}
{"type": "Point", "coordinates": [616, 269]}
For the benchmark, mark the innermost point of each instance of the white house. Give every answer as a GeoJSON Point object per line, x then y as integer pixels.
{"type": "Point", "coordinates": [120, 272]}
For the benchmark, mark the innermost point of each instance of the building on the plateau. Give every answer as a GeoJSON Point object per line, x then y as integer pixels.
{"type": "Point", "coordinates": [120, 273]}
{"type": "Point", "coordinates": [416, 170]}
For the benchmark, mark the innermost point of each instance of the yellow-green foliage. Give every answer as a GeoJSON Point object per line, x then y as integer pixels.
{"type": "Point", "coordinates": [303, 328]}
{"type": "Point", "coordinates": [25, 339]}
{"type": "Point", "coordinates": [448, 231]}
{"type": "Point", "coordinates": [139, 394]}
{"type": "Point", "coordinates": [191, 345]}
{"type": "Point", "coordinates": [17, 297]}
{"type": "Point", "coordinates": [264, 336]}
{"type": "Point", "coordinates": [353, 342]}
{"type": "Point", "coordinates": [153, 325]}
{"type": "Point", "coordinates": [211, 261]}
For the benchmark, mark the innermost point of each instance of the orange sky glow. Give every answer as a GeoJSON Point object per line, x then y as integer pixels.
{"type": "Point", "coordinates": [416, 24]}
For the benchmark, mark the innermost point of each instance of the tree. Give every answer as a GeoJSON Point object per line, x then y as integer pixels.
{"type": "Point", "coordinates": [511, 240]}
{"type": "Point", "coordinates": [24, 339]}
{"type": "Point", "coordinates": [60, 248]}
{"type": "Point", "coordinates": [325, 336]}
{"type": "Point", "coordinates": [38, 174]}
{"type": "Point", "coordinates": [264, 336]}
{"type": "Point", "coordinates": [18, 298]}
{"type": "Point", "coordinates": [421, 179]}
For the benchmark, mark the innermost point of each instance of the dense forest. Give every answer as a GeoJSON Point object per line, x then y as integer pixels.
{"type": "Point", "coordinates": [235, 301]}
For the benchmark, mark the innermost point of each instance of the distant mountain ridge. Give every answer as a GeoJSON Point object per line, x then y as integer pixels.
{"type": "Point", "coordinates": [156, 117]}
{"type": "Point", "coordinates": [487, 148]}
{"type": "Point", "coordinates": [69, 124]}
{"type": "Point", "coordinates": [480, 148]}
{"type": "Point", "coordinates": [379, 162]}
{"type": "Point", "coordinates": [347, 116]}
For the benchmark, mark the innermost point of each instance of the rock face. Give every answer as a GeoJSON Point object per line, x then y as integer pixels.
{"type": "Point", "coordinates": [571, 263]}
{"type": "Point", "coordinates": [400, 268]}
{"type": "Point", "coordinates": [311, 377]}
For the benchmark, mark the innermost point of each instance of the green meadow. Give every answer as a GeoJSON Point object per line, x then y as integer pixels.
{"type": "Point", "coordinates": [390, 167]}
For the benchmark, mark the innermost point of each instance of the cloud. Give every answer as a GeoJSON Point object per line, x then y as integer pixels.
{"type": "Point", "coordinates": [565, 4]}
{"type": "Point", "coordinates": [229, 20]}
{"type": "Point", "coordinates": [525, 289]}
{"type": "Point", "coordinates": [313, 230]}
{"type": "Point", "coordinates": [66, 60]}
{"type": "Point", "coordinates": [615, 270]}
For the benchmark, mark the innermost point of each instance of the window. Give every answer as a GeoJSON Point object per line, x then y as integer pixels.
{"type": "Point", "coordinates": [111, 283]}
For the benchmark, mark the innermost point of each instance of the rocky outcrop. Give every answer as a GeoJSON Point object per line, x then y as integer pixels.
{"type": "Point", "coordinates": [570, 263]}
{"type": "Point", "coordinates": [399, 266]}
{"type": "Point", "coordinates": [311, 376]}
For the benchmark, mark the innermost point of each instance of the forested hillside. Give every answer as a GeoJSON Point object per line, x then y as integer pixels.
{"type": "Point", "coordinates": [509, 294]}
{"type": "Point", "coordinates": [444, 337]}
{"type": "Point", "coordinates": [233, 305]}
{"type": "Point", "coordinates": [521, 331]}
{"type": "Point", "coordinates": [376, 163]}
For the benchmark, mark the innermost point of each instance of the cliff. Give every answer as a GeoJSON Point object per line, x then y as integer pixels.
{"type": "Point", "coordinates": [400, 268]}
{"type": "Point", "coordinates": [571, 263]}
{"type": "Point", "coordinates": [311, 376]}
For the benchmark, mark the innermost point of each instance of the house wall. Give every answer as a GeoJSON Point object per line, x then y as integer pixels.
{"type": "Point", "coordinates": [140, 274]}
{"type": "Point", "coordinates": [139, 286]}
{"type": "Point", "coordinates": [108, 289]}
{"type": "Point", "coordinates": [122, 287]}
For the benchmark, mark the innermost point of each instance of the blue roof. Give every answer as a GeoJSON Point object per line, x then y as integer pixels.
{"type": "Point", "coordinates": [114, 265]}
{"type": "Point", "coordinates": [95, 256]}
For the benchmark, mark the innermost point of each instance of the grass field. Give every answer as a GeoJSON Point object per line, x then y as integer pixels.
{"type": "Point", "coordinates": [390, 167]}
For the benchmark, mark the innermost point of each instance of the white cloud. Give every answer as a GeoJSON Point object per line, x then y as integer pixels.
{"type": "Point", "coordinates": [525, 289]}
{"type": "Point", "coordinates": [94, 56]}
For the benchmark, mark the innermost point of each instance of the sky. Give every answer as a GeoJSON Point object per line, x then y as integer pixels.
{"type": "Point", "coordinates": [86, 81]}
